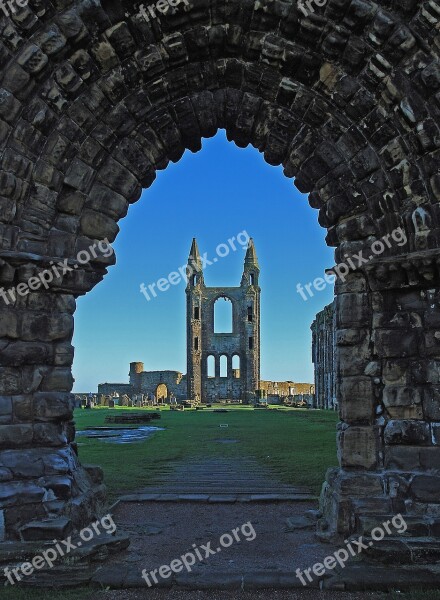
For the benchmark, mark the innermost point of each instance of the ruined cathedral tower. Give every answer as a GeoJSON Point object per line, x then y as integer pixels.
{"type": "Point", "coordinates": [223, 365]}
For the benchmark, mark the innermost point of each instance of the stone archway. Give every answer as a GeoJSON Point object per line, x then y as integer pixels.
{"type": "Point", "coordinates": [161, 393]}
{"type": "Point", "coordinates": [94, 99]}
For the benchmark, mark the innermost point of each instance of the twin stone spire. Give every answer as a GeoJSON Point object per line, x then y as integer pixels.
{"type": "Point", "coordinates": [251, 267]}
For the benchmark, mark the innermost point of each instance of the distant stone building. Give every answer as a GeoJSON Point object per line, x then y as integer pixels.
{"type": "Point", "coordinates": [221, 365]}
{"type": "Point", "coordinates": [109, 389]}
{"type": "Point", "coordinates": [163, 385]}
{"type": "Point", "coordinates": [324, 357]}
{"type": "Point", "coordinates": [276, 391]}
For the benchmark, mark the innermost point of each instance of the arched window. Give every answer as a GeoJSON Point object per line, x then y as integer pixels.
{"type": "Point", "coordinates": [236, 366]}
{"type": "Point", "coordinates": [210, 366]}
{"type": "Point", "coordinates": [223, 316]}
{"type": "Point", "coordinates": [223, 366]}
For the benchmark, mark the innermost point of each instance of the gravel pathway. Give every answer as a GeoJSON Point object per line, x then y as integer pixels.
{"type": "Point", "coordinates": [162, 532]}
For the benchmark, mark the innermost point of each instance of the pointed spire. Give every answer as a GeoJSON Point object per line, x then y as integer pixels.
{"type": "Point", "coordinates": [194, 269]}
{"type": "Point", "coordinates": [194, 256]}
{"type": "Point", "coordinates": [251, 269]}
{"type": "Point", "coordinates": [251, 259]}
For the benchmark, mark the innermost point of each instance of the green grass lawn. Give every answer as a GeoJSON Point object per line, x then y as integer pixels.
{"type": "Point", "coordinates": [299, 445]}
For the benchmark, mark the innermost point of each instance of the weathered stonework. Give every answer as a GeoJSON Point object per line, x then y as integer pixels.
{"type": "Point", "coordinates": [324, 357]}
{"type": "Point", "coordinates": [146, 383]}
{"type": "Point", "coordinates": [203, 342]}
{"type": "Point", "coordinates": [94, 99]}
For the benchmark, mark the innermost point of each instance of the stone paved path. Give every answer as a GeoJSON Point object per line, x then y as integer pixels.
{"type": "Point", "coordinates": [219, 480]}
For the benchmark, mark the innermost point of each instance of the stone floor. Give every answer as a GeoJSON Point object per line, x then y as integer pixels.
{"type": "Point", "coordinates": [161, 532]}
{"type": "Point", "coordinates": [196, 502]}
{"type": "Point", "coordinates": [284, 542]}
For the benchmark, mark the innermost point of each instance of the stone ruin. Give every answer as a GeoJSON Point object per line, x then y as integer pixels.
{"type": "Point", "coordinates": [94, 100]}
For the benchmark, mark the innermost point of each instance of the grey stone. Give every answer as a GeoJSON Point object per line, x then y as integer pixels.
{"type": "Point", "coordinates": [295, 523]}
{"type": "Point", "coordinates": [49, 529]}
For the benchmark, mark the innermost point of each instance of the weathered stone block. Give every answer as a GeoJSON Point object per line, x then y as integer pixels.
{"type": "Point", "coordinates": [416, 433]}
{"type": "Point", "coordinates": [22, 408]}
{"type": "Point", "coordinates": [95, 224]}
{"type": "Point", "coordinates": [363, 485]}
{"type": "Point", "coordinates": [72, 203]}
{"type": "Point", "coordinates": [55, 406]}
{"type": "Point", "coordinates": [354, 283]}
{"type": "Point", "coordinates": [58, 379]}
{"type": "Point", "coordinates": [25, 353]}
{"type": "Point", "coordinates": [425, 371]}
{"type": "Point", "coordinates": [430, 459]}
{"type": "Point", "coordinates": [9, 323]}
{"type": "Point", "coordinates": [395, 372]}
{"type": "Point", "coordinates": [357, 400]}
{"type": "Point", "coordinates": [15, 436]}
{"type": "Point", "coordinates": [435, 431]}
{"type": "Point", "coordinates": [5, 406]}
{"type": "Point", "coordinates": [403, 402]}
{"type": "Point", "coordinates": [404, 458]}
{"type": "Point", "coordinates": [48, 434]}
{"type": "Point", "coordinates": [20, 492]}
{"type": "Point", "coordinates": [60, 485]}
{"type": "Point", "coordinates": [59, 462]}
{"type": "Point", "coordinates": [45, 327]}
{"type": "Point", "coordinates": [416, 526]}
{"type": "Point", "coordinates": [119, 179]}
{"type": "Point", "coordinates": [358, 447]}
{"type": "Point", "coordinates": [353, 310]}
{"type": "Point", "coordinates": [63, 354]}
{"type": "Point", "coordinates": [391, 343]}
{"type": "Point", "coordinates": [102, 198]}
{"type": "Point", "coordinates": [49, 529]}
{"type": "Point", "coordinates": [353, 360]}
{"type": "Point", "coordinates": [426, 488]}
{"type": "Point", "coordinates": [79, 176]}
{"type": "Point", "coordinates": [372, 506]}
{"type": "Point", "coordinates": [5, 475]}
{"type": "Point", "coordinates": [351, 337]}
{"type": "Point", "coordinates": [431, 403]}
{"type": "Point", "coordinates": [23, 463]}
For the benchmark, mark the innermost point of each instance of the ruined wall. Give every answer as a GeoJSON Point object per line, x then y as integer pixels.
{"type": "Point", "coordinates": [286, 388]}
{"type": "Point", "coordinates": [95, 100]}
{"type": "Point", "coordinates": [244, 341]}
{"type": "Point", "coordinates": [324, 357]}
{"type": "Point", "coordinates": [120, 388]}
{"type": "Point", "coordinates": [174, 380]}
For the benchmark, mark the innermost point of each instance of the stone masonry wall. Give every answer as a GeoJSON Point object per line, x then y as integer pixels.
{"type": "Point", "coordinates": [94, 100]}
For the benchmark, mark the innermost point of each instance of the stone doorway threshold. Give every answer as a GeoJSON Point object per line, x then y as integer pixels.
{"type": "Point", "coordinates": [161, 533]}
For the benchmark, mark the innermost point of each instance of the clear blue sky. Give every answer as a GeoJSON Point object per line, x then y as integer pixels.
{"type": "Point", "coordinates": [212, 195]}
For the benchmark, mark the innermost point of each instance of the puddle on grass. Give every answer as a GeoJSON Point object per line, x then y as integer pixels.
{"type": "Point", "coordinates": [119, 435]}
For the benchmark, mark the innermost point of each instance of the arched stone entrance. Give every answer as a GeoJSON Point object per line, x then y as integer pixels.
{"type": "Point", "coordinates": [94, 99]}
{"type": "Point", "coordinates": [161, 393]}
